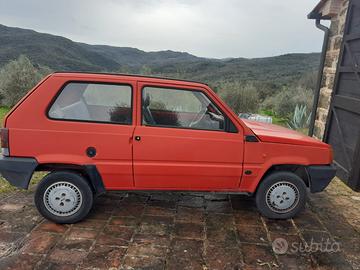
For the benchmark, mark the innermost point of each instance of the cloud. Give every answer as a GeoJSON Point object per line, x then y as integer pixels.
{"type": "Point", "coordinates": [212, 28]}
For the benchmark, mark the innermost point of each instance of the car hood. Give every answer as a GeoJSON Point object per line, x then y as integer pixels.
{"type": "Point", "coordinates": [277, 134]}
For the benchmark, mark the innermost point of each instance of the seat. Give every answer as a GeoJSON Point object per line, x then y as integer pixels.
{"type": "Point", "coordinates": [148, 118]}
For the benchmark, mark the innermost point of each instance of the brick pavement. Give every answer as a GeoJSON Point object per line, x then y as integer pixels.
{"type": "Point", "coordinates": [183, 231]}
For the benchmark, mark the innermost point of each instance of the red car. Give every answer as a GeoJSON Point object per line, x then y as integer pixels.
{"type": "Point", "coordinates": [98, 132]}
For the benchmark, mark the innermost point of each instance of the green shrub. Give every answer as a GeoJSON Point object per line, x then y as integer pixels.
{"type": "Point", "coordinates": [17, 77]}
{"type": "Point", "coordinates": [240, 97]}
{"type": "Point", "coordinates": [145, 70]}
{"type": "Point", "coordinates": [284, 102]}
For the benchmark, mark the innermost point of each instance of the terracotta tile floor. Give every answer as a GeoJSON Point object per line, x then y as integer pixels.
{"type": "Point", "coordinates": [183, 231]}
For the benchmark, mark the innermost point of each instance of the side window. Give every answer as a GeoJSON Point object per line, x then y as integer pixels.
{"type": "Point", "coordinates": [169, 107]}
{"type": "Point", "coordinates": [94, 102]}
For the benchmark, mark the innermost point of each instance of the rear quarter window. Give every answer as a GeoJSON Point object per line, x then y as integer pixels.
{"type": "Point", "coordinates": [93, 102]}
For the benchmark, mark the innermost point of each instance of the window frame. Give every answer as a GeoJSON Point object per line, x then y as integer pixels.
{"type": "Point", "coordinates": [229, 126]}
{"type": "Point", "coordinates": [53, 100]}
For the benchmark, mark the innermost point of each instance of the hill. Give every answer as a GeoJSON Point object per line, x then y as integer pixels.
{"type": "Point", "coordinates": [60, 53]}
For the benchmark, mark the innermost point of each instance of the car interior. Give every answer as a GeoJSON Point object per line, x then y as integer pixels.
{"type": "Point", "coordinates": [208, 117]}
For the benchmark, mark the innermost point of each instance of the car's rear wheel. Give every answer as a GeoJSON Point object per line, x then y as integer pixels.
{"type": "Point", "coordinates": [64, 197]}
{"type": "Point", "coordinates": [281, 195]}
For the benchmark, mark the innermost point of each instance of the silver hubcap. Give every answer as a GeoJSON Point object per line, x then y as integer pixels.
{"type": "Point", "coordinates": [282, 197]}
{"type": "Point", "coordinates": [62, 199]}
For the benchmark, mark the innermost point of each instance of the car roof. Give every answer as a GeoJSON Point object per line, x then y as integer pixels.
{"type": "Point", "coordinates": [158, 79]}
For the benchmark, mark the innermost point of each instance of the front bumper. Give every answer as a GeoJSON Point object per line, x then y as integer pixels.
{"type": "Point", "coordinates": [17, 171]}
{"type": "Point", "coordinates": [320, 176]}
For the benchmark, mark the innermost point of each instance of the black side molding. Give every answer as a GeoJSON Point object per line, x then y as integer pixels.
{"type": "Point", "coordinates": [320, 176]}
{"type": "Point", "coordinates": [18, 171]}
{"type": "Point", "coordinates": [95, 179]}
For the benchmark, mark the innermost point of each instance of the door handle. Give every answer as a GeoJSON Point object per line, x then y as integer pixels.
{"type": "Point", "coordinates": [137, 138]}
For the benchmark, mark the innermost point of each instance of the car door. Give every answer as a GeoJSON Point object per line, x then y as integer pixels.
{"type": "Point", "coordinates": [183, 141]}
{"type": "Point", "coordinates": [92, 122]}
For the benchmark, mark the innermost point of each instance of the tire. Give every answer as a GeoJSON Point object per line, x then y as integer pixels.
{"type": "Point", "coordinates": [64, 197]}
{"type": "Point", "coordinates": [281, 195]}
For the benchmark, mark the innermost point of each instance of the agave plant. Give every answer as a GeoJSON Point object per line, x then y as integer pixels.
{"type": "Point", "coordinates": [300, 119]}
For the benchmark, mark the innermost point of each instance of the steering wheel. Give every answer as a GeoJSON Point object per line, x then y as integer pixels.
{"type": "Point", "coordinates": [199, 116]}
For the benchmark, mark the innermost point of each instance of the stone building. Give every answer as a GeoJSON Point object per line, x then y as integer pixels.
{"type": "Point", "coordinates": [336, 110]}
{"type": "Point", "coordinates": [336, 11]}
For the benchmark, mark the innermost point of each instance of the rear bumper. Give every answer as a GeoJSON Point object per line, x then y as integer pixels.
{"type": "Point", "coordinates": [320, 177]}
{"type": "Point", "coordinates": [17, 171]}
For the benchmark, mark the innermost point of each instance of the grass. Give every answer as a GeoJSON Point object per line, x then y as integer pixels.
{"type": "Point", "coordinates": [282, 121]}
{"type": "Point", "coordinates": [3, 112]}
{"type": "Point", "coordinates": [5, 187]}
{"type": "Point", "coordinates": [275, 119]}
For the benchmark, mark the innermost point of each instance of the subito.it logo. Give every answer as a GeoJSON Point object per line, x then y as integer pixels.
{"type": "Point", "coordinates": [280, 246]}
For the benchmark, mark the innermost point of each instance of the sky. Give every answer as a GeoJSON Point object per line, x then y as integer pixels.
{"type": "Point", "coordinates": [206, 28]}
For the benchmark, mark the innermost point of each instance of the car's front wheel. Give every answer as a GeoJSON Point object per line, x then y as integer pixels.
{"type": "Point", "coordinates": [281, 195]}
{"type": "Point", "coordinates": [64, 197]}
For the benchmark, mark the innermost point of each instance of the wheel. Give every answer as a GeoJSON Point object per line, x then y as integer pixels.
{"type": "Point", "coordinates": [64, 197]}
{"type": "Point", "coordinates": [281, 195]}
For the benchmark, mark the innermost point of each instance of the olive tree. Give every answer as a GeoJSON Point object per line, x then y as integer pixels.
{"type": "Point", "coordinates": [241, 97]}
{"type": "Point", "coordinates": [285, 101]}
{"type": "Point", "coordinates": [17, 77]}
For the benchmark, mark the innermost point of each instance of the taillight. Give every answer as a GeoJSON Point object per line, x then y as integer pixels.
{"type": "Point", "coordinates": [4, 136]}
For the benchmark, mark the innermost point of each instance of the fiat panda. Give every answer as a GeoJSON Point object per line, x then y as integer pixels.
{"type": "Point", "coordinates": [100, 132]}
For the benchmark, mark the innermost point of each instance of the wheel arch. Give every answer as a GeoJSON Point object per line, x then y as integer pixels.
{"type": "Point", "coordinates": [288, 200]}
{"type": "Point", "coordinates": [299, 170]}
{"type": "Point", "coordinates": [89, 172]}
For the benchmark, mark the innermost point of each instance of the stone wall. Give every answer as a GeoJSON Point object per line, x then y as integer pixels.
{"type": "Point", "coordinates": [332, 56]}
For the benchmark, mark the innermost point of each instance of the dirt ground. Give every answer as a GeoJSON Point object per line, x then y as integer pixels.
{"type": "Point", "coordinates": [183, 231]}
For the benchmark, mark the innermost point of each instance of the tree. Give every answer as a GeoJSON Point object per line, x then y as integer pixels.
{"type": "Point", "coordinates": [145, 70]}
{"type": "Point", "coordinates": [308, 80]}
{"type": "Point", "coordinates": [240, 97]}
{"type": "Point", "coordinates": [17, 77]}
{"type": "Point", "coordinates": [284, 102]}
